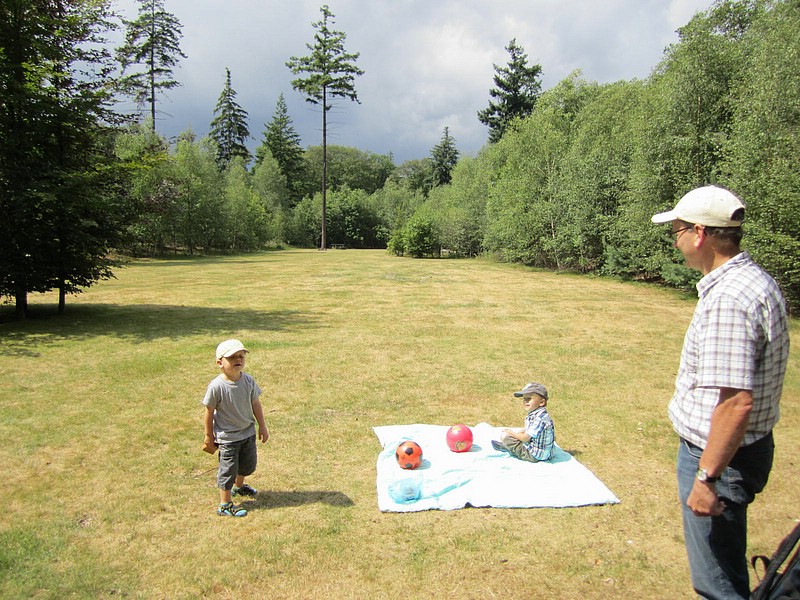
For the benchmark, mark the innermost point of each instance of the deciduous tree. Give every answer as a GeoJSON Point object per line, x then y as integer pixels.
{"type": "Point", "coordinates": [764, 145]}
{"type": "Point", "coordinates": [245, 213]}
{"type": "Point", "coordinates": [349, 167]}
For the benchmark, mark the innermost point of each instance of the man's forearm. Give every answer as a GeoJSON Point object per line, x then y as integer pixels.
{"type": "Point", "coordinates": [728, 426]}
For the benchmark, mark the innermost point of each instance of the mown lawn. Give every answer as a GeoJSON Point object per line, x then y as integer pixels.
{"type": "Point", "coordinates": [108, 494]}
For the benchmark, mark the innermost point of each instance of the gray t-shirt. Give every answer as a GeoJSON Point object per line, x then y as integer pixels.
{"type": "Point", "coordinates": [232, 402]}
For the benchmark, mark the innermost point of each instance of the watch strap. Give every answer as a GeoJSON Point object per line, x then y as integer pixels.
{"type": "Point", "coordinates": [703, 475]}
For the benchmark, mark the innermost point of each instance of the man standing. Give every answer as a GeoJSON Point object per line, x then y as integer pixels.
{"type": "Point", "coordinates": [727, 391]}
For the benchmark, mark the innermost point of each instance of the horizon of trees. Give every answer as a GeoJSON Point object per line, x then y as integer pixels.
{"type": "Point", "coordinates": [570, 186]}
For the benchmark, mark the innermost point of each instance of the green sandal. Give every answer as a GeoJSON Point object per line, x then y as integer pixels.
{"type": "Point", "coordinates": [231, 510]}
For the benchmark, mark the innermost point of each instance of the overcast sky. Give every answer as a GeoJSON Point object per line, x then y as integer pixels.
{"type": "Point", "coordinates": [428, 63]}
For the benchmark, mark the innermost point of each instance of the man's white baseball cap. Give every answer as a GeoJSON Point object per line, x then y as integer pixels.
{"type": "Point", "coordinates": [711, 205]}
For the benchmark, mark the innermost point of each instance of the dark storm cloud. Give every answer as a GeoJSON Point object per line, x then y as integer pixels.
{"type": "Point", "coordinates": [428, 65]}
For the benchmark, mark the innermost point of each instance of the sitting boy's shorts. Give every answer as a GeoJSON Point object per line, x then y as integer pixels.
{"type": "Point", "coordinates": [236, 458]}
{"type": "Point", "coordinates": [518, 448]}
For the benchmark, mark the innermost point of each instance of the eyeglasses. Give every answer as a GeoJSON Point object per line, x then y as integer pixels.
{"type": "Point", "coordinates": [677, 232]}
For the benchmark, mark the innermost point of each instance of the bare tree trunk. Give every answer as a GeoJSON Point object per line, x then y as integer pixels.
{"type": "Point", "coordinates": [152, 66]}
{"type": "Point", "coordinates": [323, 240]}
{"type": "Point", "coordinates": [20, 303]}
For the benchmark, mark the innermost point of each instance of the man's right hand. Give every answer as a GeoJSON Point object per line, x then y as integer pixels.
{"type": "Point", "coordinates": [703, 500]}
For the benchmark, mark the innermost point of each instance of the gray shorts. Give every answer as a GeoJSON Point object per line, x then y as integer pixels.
{"type": "Point", "coordinates": [236, 458]}
{"type": "Point", "coordinates": [518, 448]}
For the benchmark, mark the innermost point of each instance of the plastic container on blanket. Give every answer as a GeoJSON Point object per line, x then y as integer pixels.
{"type": "Point", "coordinates": [406, 489]}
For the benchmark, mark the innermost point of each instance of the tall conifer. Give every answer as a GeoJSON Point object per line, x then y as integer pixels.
{"type": "Point", "coordinates": [282, 141]}
{"type": "Point", "coordinates": [331, 73]}
{"type": "Point", "coordinates": [152, 40]}
{"type": "Point", "coordinates": [518, 89]}
{"type": "Point", "coordinates": [58, 219]}
{"type": "Point", "coordinates": [229, 126]}
{"type": "Point", "coordinates": [444, 157]}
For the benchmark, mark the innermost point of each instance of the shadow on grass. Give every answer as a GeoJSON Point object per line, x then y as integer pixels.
{"type": "Point", "coordinates": [277, 499]}
{"type": "Point", "coordinates": [137, 323]}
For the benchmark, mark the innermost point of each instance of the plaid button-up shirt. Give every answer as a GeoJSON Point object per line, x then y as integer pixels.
{"type": "Point", "coordinates": [738, 339]}
{"type": "Point", "coordinates": [539, 425]}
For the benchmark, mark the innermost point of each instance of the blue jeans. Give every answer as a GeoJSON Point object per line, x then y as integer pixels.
{"type": "Point", "coordinates": [717, 546]}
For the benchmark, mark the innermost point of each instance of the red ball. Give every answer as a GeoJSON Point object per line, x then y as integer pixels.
{"type": "Point", "coordinates": [459, 438]}
{"type": "Point", "coordinates": [409, 455]}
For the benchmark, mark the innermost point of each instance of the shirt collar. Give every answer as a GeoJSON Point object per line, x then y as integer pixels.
{"type": "Point", "coordinates": [708, 281]}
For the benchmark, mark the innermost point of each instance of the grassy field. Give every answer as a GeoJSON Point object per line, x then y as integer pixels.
{"type": "Point", "coordinates": [108, 494]}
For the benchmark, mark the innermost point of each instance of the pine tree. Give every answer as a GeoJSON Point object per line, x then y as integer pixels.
{"type": "Point", "coordinates": [444, 157]}
{"type": "Point", "coordinates": [282, 141]}
{"type": "Point", "coordinates": [518, 89]}
{"type": "Point", "coordinates": [229, 127]}
{"type": "Point", "coordinates": [331, 73]}
{"type": "Point", "coordinates": [152, 40]}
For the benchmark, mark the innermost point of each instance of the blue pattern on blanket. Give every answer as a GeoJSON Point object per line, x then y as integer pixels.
{"type": "Point", "coordinates": [481, 477]}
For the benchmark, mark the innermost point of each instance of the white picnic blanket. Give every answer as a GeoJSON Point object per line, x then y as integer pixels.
{"type": "Point", "coordinates": [482, 477]}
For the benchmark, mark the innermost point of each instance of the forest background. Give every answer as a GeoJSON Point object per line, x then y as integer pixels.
{"type": "Point", "coordinates": [571, 186]}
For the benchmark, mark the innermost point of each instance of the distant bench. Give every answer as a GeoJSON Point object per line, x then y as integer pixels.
{"type": "Point", "coordinates": [337, 246]}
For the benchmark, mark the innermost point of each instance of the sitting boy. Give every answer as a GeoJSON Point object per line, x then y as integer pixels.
{"type": "Point", "coordinates": [536, 440]}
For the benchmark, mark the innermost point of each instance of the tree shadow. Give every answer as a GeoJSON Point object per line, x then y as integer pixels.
{"type": "Point", "coordinates": [137, 323]}
{"type": "Point", "coordinates": [285, 499]}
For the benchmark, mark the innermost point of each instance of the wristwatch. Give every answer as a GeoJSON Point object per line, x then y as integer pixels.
{"type": "Point", "coordinates": [702, 475]}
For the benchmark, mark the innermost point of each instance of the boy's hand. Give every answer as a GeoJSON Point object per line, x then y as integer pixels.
{"type": "Point", "coordinates": [209, 445]}
{"type": "Point", "coordinates": [263, 434]}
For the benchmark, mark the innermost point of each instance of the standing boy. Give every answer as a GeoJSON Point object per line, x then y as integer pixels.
{"type": "Point", "coordinates": [232, 411]}
{"type": "Point", "coordinates": [727, 391]}
{"type": "Point", "coordinates": [535, 442]}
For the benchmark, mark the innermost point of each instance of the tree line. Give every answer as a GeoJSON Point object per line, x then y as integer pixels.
{"type": "Point", "coordinates": [568, 180]}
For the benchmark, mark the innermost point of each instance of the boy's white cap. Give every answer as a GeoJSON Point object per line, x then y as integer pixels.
{"type": "Point", "coordinates": [711, 205]}
{"type": "Point", "coordinates": [229, 347]}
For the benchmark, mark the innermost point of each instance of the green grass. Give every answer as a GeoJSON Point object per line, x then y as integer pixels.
{"type": "Point", "coordinates": [108, 494]}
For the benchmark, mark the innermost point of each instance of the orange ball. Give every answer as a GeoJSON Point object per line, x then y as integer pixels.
{"type": "Point", "coordinates": [409, 455]}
